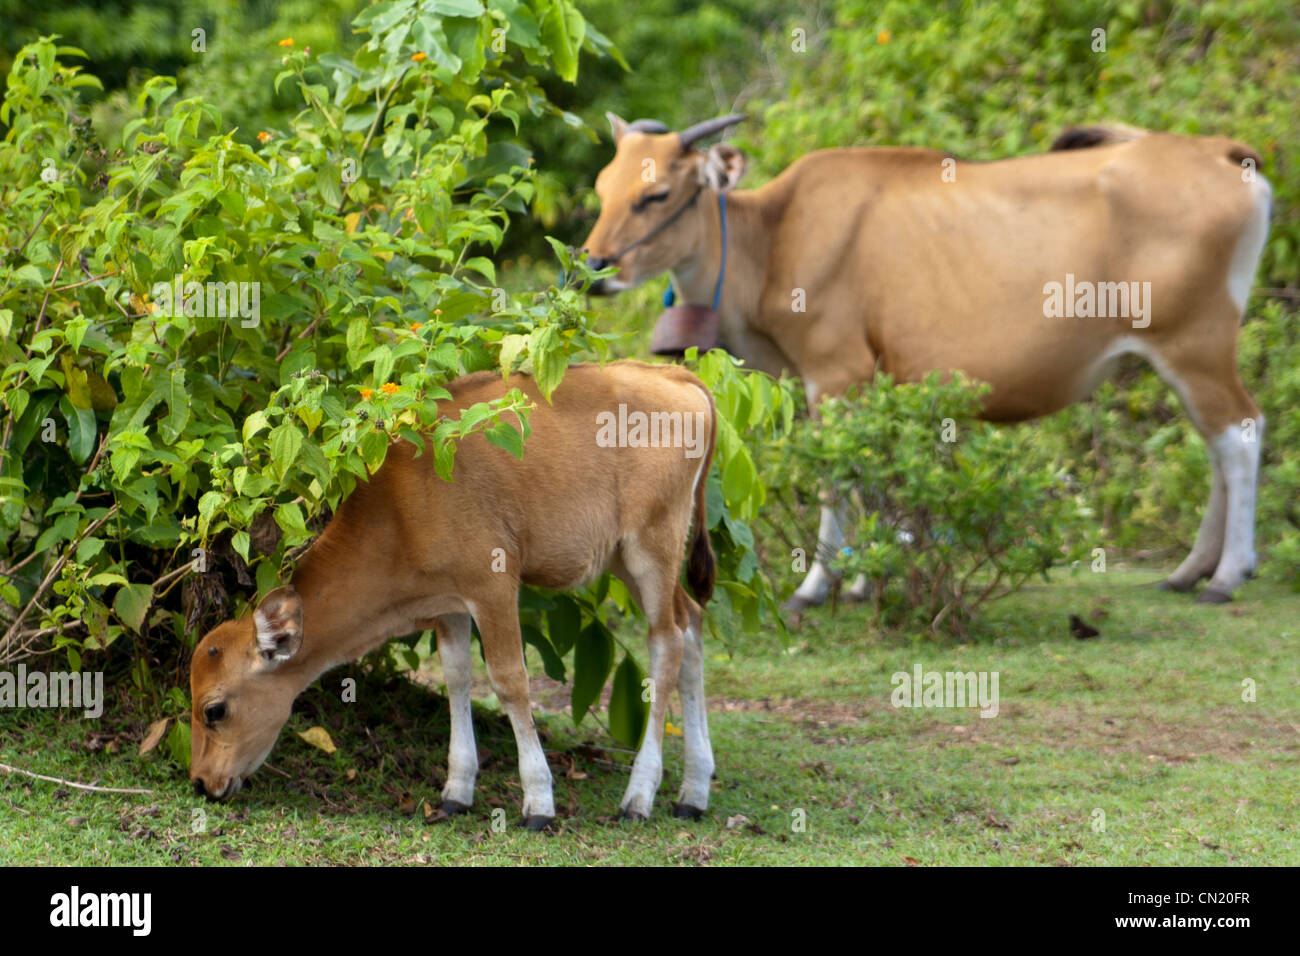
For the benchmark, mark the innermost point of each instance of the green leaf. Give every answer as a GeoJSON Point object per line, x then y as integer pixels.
{"type": "Point", "coordinates": [286, 441]}
{"type": "Point", "coordinates": [592, 659]}
{"type": "Point", "coordinates": [563, 29]}
{"type": "Point", "coordinates": [551, 661]}
{"type": "Point", "coordinates": [178, 743]}
{"type": "Point", "coordinates": [628, 713]}
{"type": "Point", "coordinates": [456, 8]}
{"type": "Point", "coordinates": [563, 623]}
{"type": "Point", "coordinates": [132, 604]}
{"type": "Point", "coordinates": [504, 435]}
{"type": "Point", "coordinates": [82, 430]}
{"type": "Point", "coordinates": [738, 479]}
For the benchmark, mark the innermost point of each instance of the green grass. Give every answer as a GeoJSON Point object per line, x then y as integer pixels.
{"type": "Point", "coordinates": [1145, 723]}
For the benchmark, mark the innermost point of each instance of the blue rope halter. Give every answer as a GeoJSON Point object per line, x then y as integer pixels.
{"type": "Point", "coordinates": [670, 296]}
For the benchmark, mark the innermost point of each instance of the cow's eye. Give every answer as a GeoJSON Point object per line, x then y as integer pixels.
{"type": "Point", "coordinates": [645, 201]}
{"type": "Point", "coordinates": [214, 713]}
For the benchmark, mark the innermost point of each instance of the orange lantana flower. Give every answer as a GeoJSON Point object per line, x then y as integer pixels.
{"type": "Point", "coordinates": [264, 137]}
{"type": "Point", "coordinates": [417, 57]}
{"type": "Point", "coordinates": [366, 393]}
{"type": "Point", "coordinates": [883, 36]}
{"type": "Point", "coordinates": [287, 41]}
{"type": "Point", "coordinates": [390, 389]}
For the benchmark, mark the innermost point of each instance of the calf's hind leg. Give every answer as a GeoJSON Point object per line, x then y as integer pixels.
{"type": "Point", "coordinates": [457, 670]}
{"type": "Point", "coordinates": [653, 583]}
{"type": "Point", "coordinates": [693, 798]}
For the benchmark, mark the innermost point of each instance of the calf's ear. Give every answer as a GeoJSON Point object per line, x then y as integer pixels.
{"type": "Point", "coordinates": [278, 623]}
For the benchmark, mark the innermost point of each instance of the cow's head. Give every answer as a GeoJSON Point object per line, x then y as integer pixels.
{"type": "Point", "coordinates": [648, 196]}
{"type": "Point", "coordinates": [242, 684]}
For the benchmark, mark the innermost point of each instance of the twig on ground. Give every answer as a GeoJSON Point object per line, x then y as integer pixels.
{"type": "Point", "coordinates": [69, 783]}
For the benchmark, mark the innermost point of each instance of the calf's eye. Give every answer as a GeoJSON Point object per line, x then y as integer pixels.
{"type": "Point", "coordinates": [214, 713]}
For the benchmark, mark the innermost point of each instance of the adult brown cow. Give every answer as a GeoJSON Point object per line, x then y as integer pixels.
{"type": "Point", "coordinates": [1034, 274]}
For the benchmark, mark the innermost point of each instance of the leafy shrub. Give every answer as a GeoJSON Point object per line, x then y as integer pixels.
{"type": "Point", "coordinates": [944, 512]}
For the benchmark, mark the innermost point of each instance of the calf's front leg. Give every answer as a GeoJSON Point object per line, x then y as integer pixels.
{"type": "Point", "coordinates": [503, 650]}
{"type": "Point", "coordinates": [457, 670]}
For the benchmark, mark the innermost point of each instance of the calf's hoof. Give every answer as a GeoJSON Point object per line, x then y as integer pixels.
{"type": "Point", "coordinates": [684, 811]}
{"type": "Point", "coordinates": [537, 822]}
{"type": "Point", "coordinates": [1169, 584]}
{"type": "Point", "coordinates": [1213, 596]}
{"type": "Point", "coordinates": [635, 816]}
{"type": "Point", "coordinates": [453, 808]}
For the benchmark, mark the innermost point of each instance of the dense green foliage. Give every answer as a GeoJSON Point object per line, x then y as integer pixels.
{"type": "Point", "coordinates": [943, 512]}
{"type": "Point", "coordinates": [167, 448]}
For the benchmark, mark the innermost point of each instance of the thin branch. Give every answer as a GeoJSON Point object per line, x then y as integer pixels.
{"type": "Point", "coordinates": [69, 783]}
{"type": "Point", "coordinates": [54, 573]}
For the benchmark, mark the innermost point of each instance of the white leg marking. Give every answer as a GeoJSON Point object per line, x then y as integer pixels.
{"type": "Point", "coordinates": [534, 773]}
{"type": "Point", "coordinates": [1205, 554]}
{"type": "Point", "coordinates": [457, 671]}
{"type": "Point", "coordinates": [1250, 246]}
{"type": "Point", "coordinates": [859, 590]}
{"type": "Point", "coordinates": [830, 538]}
{"type": "Point", "coordinates": [1240, 458]}
{"type": "Point", "coordinates": [648, 768]}
{"type": "Point", "coordinates": [699, 752]}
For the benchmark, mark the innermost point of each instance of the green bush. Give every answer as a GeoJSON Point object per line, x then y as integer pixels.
{"type": "Point", "coordinates": [944, 512]}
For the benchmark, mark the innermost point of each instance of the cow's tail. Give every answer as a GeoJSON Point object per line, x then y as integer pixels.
{"type": "Point", "coordinates": [1086, 137]}
{"type": "Point", "coordinates": [701, 567]}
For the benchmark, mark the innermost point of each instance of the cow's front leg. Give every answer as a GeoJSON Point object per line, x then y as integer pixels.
{"type": "Point", "coordinates": [503, 649]}
{"type": "Point", "coordinates": [462, 756]}
{"type": "Point", "coordinates": [816, 586]}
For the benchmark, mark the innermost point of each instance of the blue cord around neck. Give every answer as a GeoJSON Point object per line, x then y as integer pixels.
{"type": "Point", "coordinates": [670, 296]}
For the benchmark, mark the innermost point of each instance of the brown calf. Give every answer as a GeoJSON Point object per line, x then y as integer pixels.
{"type": "Point", "coordinates": [408, 551]}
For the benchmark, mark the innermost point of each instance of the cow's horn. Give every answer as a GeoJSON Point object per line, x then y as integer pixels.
{"type": "Point", "coordinates": [708, 128]}
{"type": "Point", "coordinates": [646, 126]}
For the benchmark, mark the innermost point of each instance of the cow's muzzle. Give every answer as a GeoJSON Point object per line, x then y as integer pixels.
{"type": "Point", "coordinates": [229, 790]}
{"type": "Point", "coordinates": [596, 263]}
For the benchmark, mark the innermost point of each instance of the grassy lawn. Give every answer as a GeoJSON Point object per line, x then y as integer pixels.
{"type": "Point", "coordinates": [1145, 724]}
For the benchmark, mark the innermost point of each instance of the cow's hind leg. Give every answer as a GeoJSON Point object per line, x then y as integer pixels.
{"type": "Point", "coordinates": [648, 563]}
{"type": "Point", "coordinates": [1238, 448]}
{"type": "Point", "coordinates": [1233, 428]}
{"type": "Point", "coordinates": [693, 798]}
{"type": "Point", "coordinates": [1205, 553]}
{"type": "Point", "coordinates": [462, 756]}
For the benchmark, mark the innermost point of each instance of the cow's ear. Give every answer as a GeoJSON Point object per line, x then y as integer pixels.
{"type": "Point", "coordinates": [722, 167]}
{"type": "Point", "coordinates": [278, 623]}
{"type": "Point", "coordinates": [617, 126]}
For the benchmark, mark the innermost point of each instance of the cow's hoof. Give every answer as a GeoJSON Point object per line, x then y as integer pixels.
{"type": "Point", "coordinates": [793, 609]}
{"type": "Point", "coordinates": [633, 815]}
{"type": "Point", "coordinates": [537, 822]}
{"type": "Point", "coordinates": [1168, 584]}
{"type": "Point", "coordinates": [453, 808]}
{"type": "Point", "coordinates": [1213, 596]}
{"type": "Point", "coordinates": [684, 811]}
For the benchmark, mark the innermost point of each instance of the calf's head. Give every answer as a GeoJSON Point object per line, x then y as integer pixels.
{"type": "Point", "coordinates": [242, 685]}
{"type": "Point", "coordinates": [649, 197]}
